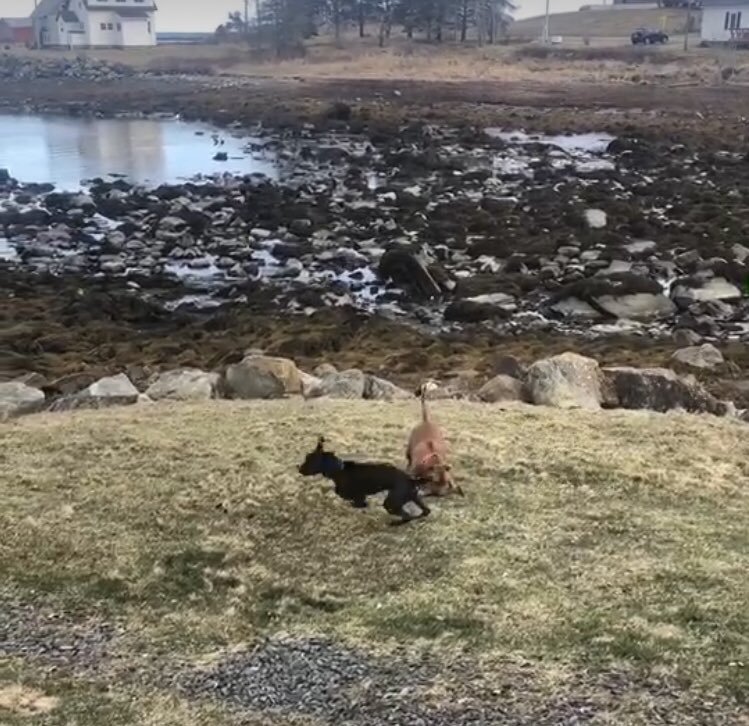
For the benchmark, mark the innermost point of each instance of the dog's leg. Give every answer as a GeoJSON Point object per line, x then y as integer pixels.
{"type": "Point", "coordinates": [359, 502]}
{"type": "Point", "coordinates": [419, 502]}
{"type": "Point", "coordinates": [393, 504]}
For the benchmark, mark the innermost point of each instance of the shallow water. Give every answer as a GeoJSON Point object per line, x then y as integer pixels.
{"type": "Point", "coordinates": [66, 151]}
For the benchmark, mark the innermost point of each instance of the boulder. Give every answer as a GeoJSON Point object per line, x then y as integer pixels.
{"type": "Point", "coordinates": [660, 389]}
{"type": "Point", "coordinates": [716, 288]}
{"type": "Point", "coordinates": [699, 356]}
{"type": "Point", "coordinates": [508, 365]}
{"type": "Point", "coordinates": [619, 295]}
{"type": "Point", "coordinates": [16, 399]}
{"type": "Point", "coordinates": [325, 369]}
{"type": "Point", "coordinates": [184, 384]}
{"type": "Point", "coordinates": [502, 388]}
{"type": "Point", "coordinates": [686, 337]}
{"type": "Point", "coordinates": [565, 381]}
{"type": "Point", "coordinates": [111, 391]}
{"type": "Point", "coordinates": [378, 389]}
{"type": "Point", "coordinates": [347, 384]}
{"type": "Point", "coordinates": [116, 390]}
{"type": "Point", "coordinates": [262, 376]}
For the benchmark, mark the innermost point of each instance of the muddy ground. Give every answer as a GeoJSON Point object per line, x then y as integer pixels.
{"type": "Point", "coordinates": [60, 326]}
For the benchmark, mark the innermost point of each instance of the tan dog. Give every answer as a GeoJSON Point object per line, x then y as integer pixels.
{"type": "Point", "coordinates": [426, 453]}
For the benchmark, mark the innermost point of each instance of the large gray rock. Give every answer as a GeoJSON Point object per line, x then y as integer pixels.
{"type": "Point", "coordinates": [16, 399]}
{"type": "Point", "coordinates": [660, 389]}
{"type": "Point", "coordinates": [260, 376]}
{"type": "Point", "coordinates": [111, 391]}
{"type": "Point", "coordinates": [349, 384]}
{"type": "Point", "coordinates": [184, 384]}
{"type": "Point", "coordinates": [117, 389]}
{"type": "Point", "coordinates": [378, 389]}
{"type": "Point", "coordinates": [699, 356]}
{"type": "Point", "coordinates": [502, 388]}
{"type": "Point", "coordinates": [716, 288]}
{"type": "Point", "coordinates": [620, 295]}
{"type": "Point", "coordinates": [565, 381]}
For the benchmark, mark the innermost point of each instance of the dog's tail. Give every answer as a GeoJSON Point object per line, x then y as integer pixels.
{"type": "Point", "coordinates": [424, 388]}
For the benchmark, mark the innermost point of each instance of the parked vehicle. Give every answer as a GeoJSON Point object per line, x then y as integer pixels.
{"type": "Point", "coordinates": [645, 36]}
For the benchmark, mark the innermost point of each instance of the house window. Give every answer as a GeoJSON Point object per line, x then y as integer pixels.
{"type": "Point", "coordinates": [149, 26]}
{"type": "Point", "coordinates": [110, 26]}
{"type": "Point", "coordinates": [728, 20]}
{"type": "Point", "coordinates": [103, 26]}
{"type": "Point", "coordinates": [119, 26]}
{"type": "Point", "coordinates": [738, 19]}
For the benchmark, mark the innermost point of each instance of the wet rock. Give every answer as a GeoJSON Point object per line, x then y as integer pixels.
{"type": "Point", "coordinates": [470, 311]}
{"type": "Point", "coordinates": [701, 356]}
{"type": "Point", "coordinates": [259, 376]}
{"type": "Point", "coordinates": [660, 389]}
{"type": "Point", "coordinates": [565, 381]}
{"type": "Point", "coordinates": [17, 398]}
{"type": "Point", "coordinates": [502, 388]}
{"type": "Point", "coordinates": [686, 337]}
{"type": "Point", "coordinates": [741, 253]}
{"type": "Point", "coordinates": [697, 289]}
{"type": "Point", "coordinates": [621, 295]}
{"type": "Point", "coordinates": [349, 384]}
{"type": "Point", "coordinates": [378, 389]}
{"type": "Point", "coordinates": [184, 384]}
{"type": "Point", "coordinates": [409, 271]}
{"type": "Point", "coordinates": [595, 218]}
{"type": "Point", "coordinates": [221, 156]}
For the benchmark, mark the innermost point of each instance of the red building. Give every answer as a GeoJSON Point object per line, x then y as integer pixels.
{"type": "Point", "coordinates": [16, 31]}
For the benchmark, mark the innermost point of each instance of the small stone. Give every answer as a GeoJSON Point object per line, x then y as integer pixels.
{"type": "Point", "coordinates": [595, 218]}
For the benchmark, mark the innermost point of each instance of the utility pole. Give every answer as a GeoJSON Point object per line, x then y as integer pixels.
{"type": "Point", "coordinates": [546, 25]}
{"type": "Point", "coordinates": [689, 25]}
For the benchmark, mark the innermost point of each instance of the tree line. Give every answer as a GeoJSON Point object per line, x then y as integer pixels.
{"type": "Point", "coordinates": [284, 25]}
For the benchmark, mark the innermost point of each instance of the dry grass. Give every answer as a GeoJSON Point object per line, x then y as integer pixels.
{"type": "Point", "coordinates": [587, 542]}
{"type": "Point", "coordinates": [605, 60]}
{"type": "Point", "coordinates": [615, 22]}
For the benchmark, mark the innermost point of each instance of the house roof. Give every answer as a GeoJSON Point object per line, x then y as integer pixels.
{"type": "Point", "coordinates": [47, 7]}
{"type": "Point", "coordinates": [723, 3]}
{"type": "Point", "coordinates": [16, 22]}
{"type": "Point", "coordinates": [69, 16]}
{"type": "Point", "coordinates": [111, 5]}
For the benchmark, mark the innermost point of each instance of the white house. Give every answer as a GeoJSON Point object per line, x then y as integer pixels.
{"type": "Point", "coordinates": [94, 23]}
{"type": "Point", "coordinates": [725, 21]}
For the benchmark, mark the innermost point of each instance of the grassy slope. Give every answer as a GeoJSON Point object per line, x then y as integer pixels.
{"type": "Point", "coordinates": [588, 544]}
{"type": "Point", "coordinates": [603, 23]}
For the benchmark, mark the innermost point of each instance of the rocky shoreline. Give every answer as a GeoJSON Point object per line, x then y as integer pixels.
{"type": "Point", "coordinates": [467, 236]}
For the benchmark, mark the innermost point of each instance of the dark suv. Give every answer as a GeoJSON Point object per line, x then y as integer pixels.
{"type": "Point", "coordinates": [644, 36]}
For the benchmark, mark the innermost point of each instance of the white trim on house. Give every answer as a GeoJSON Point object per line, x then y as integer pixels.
{"type": "Point", "coordinates": [94, 23]}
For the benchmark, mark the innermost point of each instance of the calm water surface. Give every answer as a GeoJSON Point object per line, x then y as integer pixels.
{"type": "Point", "coordinates": [66, 151]}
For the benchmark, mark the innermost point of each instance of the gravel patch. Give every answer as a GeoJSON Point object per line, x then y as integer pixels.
{"type": "Point", "coordinates": [335, 684]}
{"type": "Point", "coordinates": [53, 638]}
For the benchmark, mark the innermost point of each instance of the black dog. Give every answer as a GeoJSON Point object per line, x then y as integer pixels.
{"type": "Point", "coordinates": [356, 481]}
